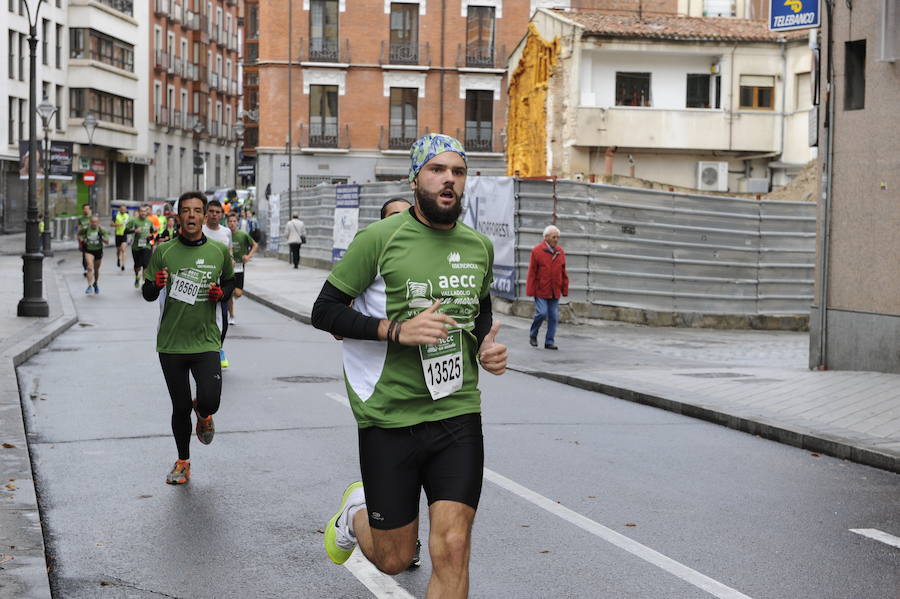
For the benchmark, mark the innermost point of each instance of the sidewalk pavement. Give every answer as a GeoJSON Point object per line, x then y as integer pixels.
{"type": "Point", "coordinates": [23, 566]}
{"type": "Point", "coordinates": [754, 381]}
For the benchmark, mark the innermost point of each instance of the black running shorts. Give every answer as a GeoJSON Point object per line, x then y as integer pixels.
{"type": "Point", "coordinates": [141, 257]}
{"type": "Point", "coordinates": [445, 457]}
{"type": "Point", "coordinates": [97, 254]}
{"type": "Point", "coordinates": [120, 239]}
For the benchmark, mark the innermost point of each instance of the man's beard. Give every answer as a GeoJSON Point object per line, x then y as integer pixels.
{"type": "Point", "coordinates": [432, 210]}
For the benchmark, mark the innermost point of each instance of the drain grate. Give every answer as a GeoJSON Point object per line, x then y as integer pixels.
{"type": "Point", "coordinates": [308, 379]}
{"type": "Point", "coordinates": [250, 337]}
{"type": "Point", "coordinates": [715, 375]}
{"type": "Point", "coordinates": [58, 349]}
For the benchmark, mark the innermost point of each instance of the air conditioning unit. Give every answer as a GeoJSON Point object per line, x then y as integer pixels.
{"type": "Point", "coordinates": [712, 176]}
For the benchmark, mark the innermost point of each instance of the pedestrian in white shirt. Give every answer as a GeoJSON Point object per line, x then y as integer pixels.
{"type": "Point", "coordinates": [295, 233]}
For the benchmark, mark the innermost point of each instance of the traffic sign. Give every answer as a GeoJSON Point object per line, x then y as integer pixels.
{"type": "Point", "coordinates": [89, 178]}
{"type": "Point", "coordinates": [785, 15]}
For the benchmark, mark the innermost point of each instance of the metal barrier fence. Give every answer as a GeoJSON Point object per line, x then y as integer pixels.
{"type": "Point", "coordinates": [672, 252]}
{"type": "Point", "coordinates": [635, 248]}
{"type": "Point", "coordinates": [315, 207]}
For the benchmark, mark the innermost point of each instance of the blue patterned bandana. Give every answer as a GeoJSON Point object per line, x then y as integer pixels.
{"type": "Point", "coordinates": [427, 147]}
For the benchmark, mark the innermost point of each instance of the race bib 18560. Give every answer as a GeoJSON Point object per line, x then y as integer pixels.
{"type": "Point", "coordinates": [442, 365]}
{"type": "Point", "coordinates": [186, 286]}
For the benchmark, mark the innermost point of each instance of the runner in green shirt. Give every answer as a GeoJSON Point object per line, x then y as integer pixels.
{"type": "Point", "coordinates": [83, 222]}
{"type": "Point", "coordinates": [141, 242]}
{"type": "Point", "coordinates": [120, 222]}
{"type": "Point", "coordinates": [92, 238]}
{"type": "Point", "coordinates": [189, 276]}
{"type": "Point", "coordinates": [242, 249]}
{"type": "Point", "coordinates": [419, 328]}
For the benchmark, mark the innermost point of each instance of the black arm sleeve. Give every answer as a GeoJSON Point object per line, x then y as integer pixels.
{"type": "Point", "coordinates": [150, 291]}
{"type": "Point", "coordinates": [332, 313]}
{"type": "Point", "coordinates": [227, 289]}
{"type": "Point", "coordinates": [484, 320]}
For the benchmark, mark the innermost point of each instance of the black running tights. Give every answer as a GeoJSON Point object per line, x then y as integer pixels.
{"type": "Point", "coordinates": [207, 374]}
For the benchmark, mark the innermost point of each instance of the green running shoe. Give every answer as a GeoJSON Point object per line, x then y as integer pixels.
{"type": "Point", "coordinates": [339, 544]}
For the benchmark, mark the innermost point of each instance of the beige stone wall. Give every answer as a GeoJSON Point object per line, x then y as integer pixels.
{"type": "Point", "coordinates": [865, 204]}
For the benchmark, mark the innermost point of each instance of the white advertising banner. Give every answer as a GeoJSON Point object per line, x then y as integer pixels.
{"type": "Point", "coordinates": [489, 206]}
{"type": "Point", "coordinates": [274, 222]}
{"type": "Point", "coordinates": [346, 218]}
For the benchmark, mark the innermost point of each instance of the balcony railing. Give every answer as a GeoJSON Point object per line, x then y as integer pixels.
{"type": "Point", "coordinates": [162, 60]}
{"type": "Point", "coordinates": [321, 49]}
{"type": "Point", "coordinates": [190, 71]}
{"type": "Point", "coordinates": [123, 6]}
{"type": "Point", "coordinates": [213, 79]}
{"type": "Point", "coordinates": [174, 65]}
{"type": "Point", "coordinates": [188, 122]}
{"type": "Point", "coordinates": [161, 8]}
{"type": "Point", "coordinates": [213, 128]}
{"type": "Point", "coordinates": [480, 57]}
{"type": "Point", "coordinates": [398, 137]}
{"type": "Point", "coordinates": [223, 84]}
{"type": "Point", "coordinates": [177, 13]}
{"type": "Point", "coordinates": [162, 116]}
{"type": "Point", "coordinates": [405, 54]}
{"type": "Point", "coordinates": [483, 139]}
{"type": "Point", "coordinates": [325, 135]}
{"type": "Point", "coordinates": [214, 34]}
{"type": "Point", "coordinates": [191, 20]}
{"type": "Point", "coordinates": [176, 119]}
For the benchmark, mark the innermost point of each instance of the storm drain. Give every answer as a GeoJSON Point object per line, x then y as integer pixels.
{"type": "Point", "coordinates": [308, 379]}
{"type": "Point", "coordinates": [715, 375]}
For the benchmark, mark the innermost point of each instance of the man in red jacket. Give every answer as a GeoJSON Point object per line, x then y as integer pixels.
{"type": "Point", "coordinates": [547, 282]}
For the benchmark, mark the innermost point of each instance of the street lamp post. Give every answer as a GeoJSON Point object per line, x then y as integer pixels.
{"type": "Point", "coordinates": [32, 302]}
{"type": "Point", "coordinates": [90, 124]}
{"type": "Point", "coordinates": [198, 131]}
{"type": "Point", "coordinates": [239, 137]}
{"type": "Point", "coordinates": [46, 110]}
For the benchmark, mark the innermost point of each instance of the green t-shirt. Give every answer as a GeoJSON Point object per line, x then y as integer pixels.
{"type": "Point", "coordinates": [121, 221]}
{"type": "Point", "coordinates": [240, 245]}
{"type": "Point", "coordinates": [395, 268]}
{"type": "Point", "coordinates": [93, 239]}
{"type": "Point", "coordinates": [186, 328]}
{"type": "Point", "coordinates": [83, 222]}
{"type": "Point", "coordinates": [143, 228]}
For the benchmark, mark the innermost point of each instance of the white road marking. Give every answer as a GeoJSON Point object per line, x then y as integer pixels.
{"type": "Point", "coordinates": [874, 533]}
{"type": "Point", "coordinates": [381, 585]}
{"type": "Point", "coordinates": [340, 398]}
{"type": "Point", "coordinates": [701, 581]}
{"type": "Point", "coordinates": [362, 569]}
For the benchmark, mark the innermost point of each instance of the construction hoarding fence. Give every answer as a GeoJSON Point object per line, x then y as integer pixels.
{"type": "Point", "coordinates": [632, 254]}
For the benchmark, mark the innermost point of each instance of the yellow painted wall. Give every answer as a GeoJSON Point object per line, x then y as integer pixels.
{"type": "Point", "coordinates": [527, 121]}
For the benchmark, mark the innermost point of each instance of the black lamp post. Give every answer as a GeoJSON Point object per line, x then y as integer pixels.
{"type": "Point", "coordinates": [239, 129]}
{"type": "Point", "coordinates": [198, 131]}
{"type": "Point", "coordinates": [32, 302]}
{"type": "Point", "coordinates": [46, 110]}
{"type": "Point", "coordinates": [90, 124]}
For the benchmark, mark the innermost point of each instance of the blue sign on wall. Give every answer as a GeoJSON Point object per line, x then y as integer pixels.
{"type": "Point", "coordinates": [785, 15]}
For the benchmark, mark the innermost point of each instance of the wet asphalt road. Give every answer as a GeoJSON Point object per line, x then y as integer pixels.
{"type": "Point", "coordinates": [760, 518]}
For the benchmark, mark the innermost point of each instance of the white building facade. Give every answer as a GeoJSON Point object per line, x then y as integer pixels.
{"type": "Point", "coordinates": [712, 104]}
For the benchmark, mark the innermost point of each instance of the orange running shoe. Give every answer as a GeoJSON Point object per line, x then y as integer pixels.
{"type": "Point", "coordinates": [180, 474]}
{"type": "Point", "coordinates": [205, 427]}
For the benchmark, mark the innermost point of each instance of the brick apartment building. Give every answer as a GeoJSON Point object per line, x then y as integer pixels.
{"type": "Point", "coordinates": [194, 91]}
{"type": "Point", "coordinates": [370, 76]}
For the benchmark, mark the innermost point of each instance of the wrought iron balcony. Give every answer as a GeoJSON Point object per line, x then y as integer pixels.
{"type": "Point", "coordinates": [176, 119]}
{"type": "Point", "coordinates": [191, 20]}
{"type": "Point", "coordinates": [480, 56]}
{"type": "Point", "coordinates": [327, 135]}
{"type": "Point", "coordinates": [162, 60]}
{"type": "Point", "coordinates": [405, 54]}
{"type": "Point", "coordinates": [398, 137]}
{"type": "Point", "coordinates": [176, 13]}
{"type": "Point", "coordinates": [483, 139]}
{"type": "Point", "coordinates": [161, 8]}
{"type": "Point", "coordinates": [324, 49]}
